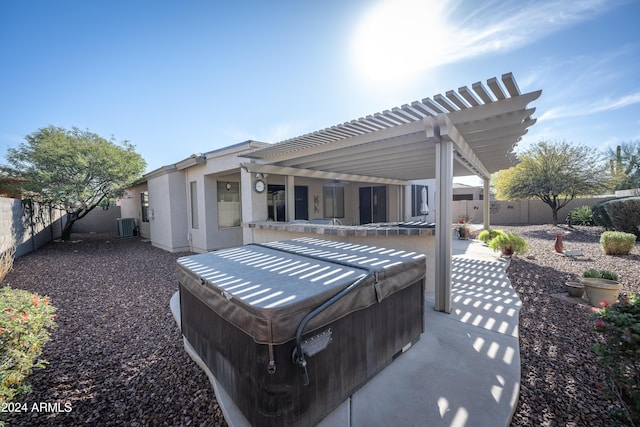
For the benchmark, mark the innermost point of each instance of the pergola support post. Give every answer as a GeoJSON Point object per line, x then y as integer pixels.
{"type": "Point", "coordinates": [487, 205]}
{"type": "Point", "coordinates": [444, 197]}
{"type": "Point", "coordinates": [290, 202]}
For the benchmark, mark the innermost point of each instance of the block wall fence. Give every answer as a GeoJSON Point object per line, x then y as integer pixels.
{"type": "Point", "coordinates": [30, 226]}
{"type": "Point", "coordinates": [524, 212]}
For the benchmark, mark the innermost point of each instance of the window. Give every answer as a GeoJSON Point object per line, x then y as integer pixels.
{"type": "Point", "coordinates": [333, 202]}
{"type": "Point", "coordinates": [229, 208]}
{"type": "Point", "coordinates": [194, 203]}
{"type": "Point", "coordinates": [144, 206]}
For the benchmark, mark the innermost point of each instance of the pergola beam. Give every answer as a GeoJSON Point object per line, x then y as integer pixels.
{"type": "Point", "coordinates": [449, 131]}
{"type": "Point", "coordinates": [317, 174]}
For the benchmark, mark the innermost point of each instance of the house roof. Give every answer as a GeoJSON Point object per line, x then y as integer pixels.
{"type": "Point", "coordinates": [484, 121]}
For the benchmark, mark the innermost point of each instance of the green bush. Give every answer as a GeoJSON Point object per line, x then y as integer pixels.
{"type": "Point", "coordinates": [486, 236]}
{"type": "Point", "coordinates": [620, 353]}
{"type": "Point", "coordinates": [509, 243]}
{"type": "Point", "coordinates": [582, 216]}
{"type": "Point", "coordinates": [600, 215]}
{"type": "Point", "coordinates": [26, 320]}
{"type": "Point", "coordinates": [600, 274]}
{"type": "Point", "coordinates": [624, 214]}
{"type": "Point", "coordinates": [617, 242]}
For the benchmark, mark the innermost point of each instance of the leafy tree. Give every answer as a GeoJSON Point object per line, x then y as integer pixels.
{"type": "Point", "coordinates": [554, 172]}
{"type": "Point", "coordinates": [72, 170]}
{"type": "Point", "coordinates": [625, 164]}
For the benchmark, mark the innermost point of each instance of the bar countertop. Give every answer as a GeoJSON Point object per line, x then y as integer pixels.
{"type": "Point", "coordinates": [414, 228]}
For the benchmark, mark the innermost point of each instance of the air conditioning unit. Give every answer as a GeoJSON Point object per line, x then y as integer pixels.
{"type": "Point", "coordinates": [126, 227]}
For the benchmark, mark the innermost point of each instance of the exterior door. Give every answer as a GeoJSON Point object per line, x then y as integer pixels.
{"type": "Point", "coordinates": [373, 204]}
{"type": "Point", "coordinates": [302, 202]}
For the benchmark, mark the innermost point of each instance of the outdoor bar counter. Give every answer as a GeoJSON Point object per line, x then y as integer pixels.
{"type": "Point", "coordinates": [408, 236]}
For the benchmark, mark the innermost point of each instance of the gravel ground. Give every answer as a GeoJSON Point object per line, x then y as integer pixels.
{"type": "Point", "coordinates": [562, 382]}
{"type": "Point", "coordinates": [117, 356]}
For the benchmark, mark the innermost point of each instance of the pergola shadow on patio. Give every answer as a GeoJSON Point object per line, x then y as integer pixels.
{"type": "Point", "coordinates": [471, 131]}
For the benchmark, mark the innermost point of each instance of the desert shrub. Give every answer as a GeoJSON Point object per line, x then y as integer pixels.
{"type": "Point", "coordinates": [600, 215]}
{"type": "Point", "coordinates": [617, 242]}
{"type": "Point", "coordinates": [510, 242]}
{"type": "Point", "coordinates": [582, 216]}
{"type": "Point", "coordinates": [486, 236]}
{"type": "Point", "coordinates": [26, 320]}
{"type": "Point", "coordinates": [619, 325]}
{"type": "Point", "coordinates": [600, 274]}
{"type": "Point", "coordinates": [6, 261]}
{"type": "Point", "coordinates": [624, 214]}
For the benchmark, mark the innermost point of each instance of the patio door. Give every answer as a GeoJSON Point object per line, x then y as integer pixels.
{"type": "Point", "coordinates": [276, 202]}
{"type": "Point", "coordinates": [373, 204]}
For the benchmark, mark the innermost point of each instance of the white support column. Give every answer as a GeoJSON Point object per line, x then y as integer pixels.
{"type": "Point", "coordinates": [290, 201]}
{"type": "Point", "coordinates": [444, 197]}
{"type": "Point", "coordinates": [254, 205]}
{"type": "Point", "coordinates": [444, 218]}
{"type": "Point", "coordinates": [487, 205]}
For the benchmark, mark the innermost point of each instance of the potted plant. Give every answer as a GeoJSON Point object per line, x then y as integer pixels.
{"type": "Point", "coordinates": [601, 286]}
{"type": "Point", "coordinates": [509, 244]}
{"type": "Point", "coordinates": [463, 228]}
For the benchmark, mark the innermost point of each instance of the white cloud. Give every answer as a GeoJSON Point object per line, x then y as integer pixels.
{"type": "Point", "coordinates": [399, 38]}
{"type": "Point", "coordinates": [585, 109]}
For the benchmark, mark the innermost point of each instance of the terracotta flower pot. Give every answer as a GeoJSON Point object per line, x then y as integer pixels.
{"type": "Point", "coordinates": [599, 290]}
{"type": "Point", "coordinates": [463, 233]}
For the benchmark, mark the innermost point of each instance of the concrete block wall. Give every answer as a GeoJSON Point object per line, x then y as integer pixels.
{"type": "Point", "coordinates": [99, 221]}
{"type": "Point", "coordinates": [27, 230]}
{"type": "Point", "coordinates": [518, 212]}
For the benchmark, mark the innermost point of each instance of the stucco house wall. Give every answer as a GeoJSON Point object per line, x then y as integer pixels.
{"type": "Point", "coordinates": [131, 207]}
{"type": "Point", "coordinates": [168, 211]}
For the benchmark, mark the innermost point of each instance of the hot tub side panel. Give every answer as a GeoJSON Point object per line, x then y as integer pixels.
{"type": "Point", "coordinates": [363, 343]}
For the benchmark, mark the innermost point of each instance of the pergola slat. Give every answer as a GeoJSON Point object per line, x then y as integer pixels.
{"type": "Point", "coordinates": [382, 118]}
{"type": "Point", "coordinates": [457, 99]}
{"type": "Point", "coordinates": [434, 106]}
{"type": "Point", "coordinates": [412, 111]}
{"type": "Point", "coordinates": [469, 96]}
{"type": "Point", "coordinates": [511, 85]}
{"type": "Point", "coordinates": [441, 100]}
{"type": "Point", "coordinates": [400, 113]}
{"type": "Point", "coordinates": [419, 106]}
{"type": "Point", "coordinates": [479, 89]}
{"type": "Point", "coordinates": [495, 88]}
{"type": "Point", "coordinates": [388, 114]}
{"type": "Point", "coordinates": [379, 122]}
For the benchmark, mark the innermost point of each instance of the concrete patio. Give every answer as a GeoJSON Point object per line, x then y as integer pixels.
{"type": "Point", "coordinates": [464, 370]}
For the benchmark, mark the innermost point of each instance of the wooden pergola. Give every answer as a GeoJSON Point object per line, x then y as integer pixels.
{"type": "Point", "coordinates": [471, 131]}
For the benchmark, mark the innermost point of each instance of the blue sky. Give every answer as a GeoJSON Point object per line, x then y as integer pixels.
{"type": "Point", "coordinates": [177, 78]}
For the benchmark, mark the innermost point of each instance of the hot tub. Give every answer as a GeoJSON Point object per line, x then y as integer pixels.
{"type": "Point", "coordinates": [290, 329]}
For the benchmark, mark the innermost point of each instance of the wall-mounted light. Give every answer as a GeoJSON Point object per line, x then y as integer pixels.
{"type": "Point", "coordinates": [228, 186]}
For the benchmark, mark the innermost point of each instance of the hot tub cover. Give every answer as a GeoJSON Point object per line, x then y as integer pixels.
{"type": "Point", "coordinates": [267, 289]}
